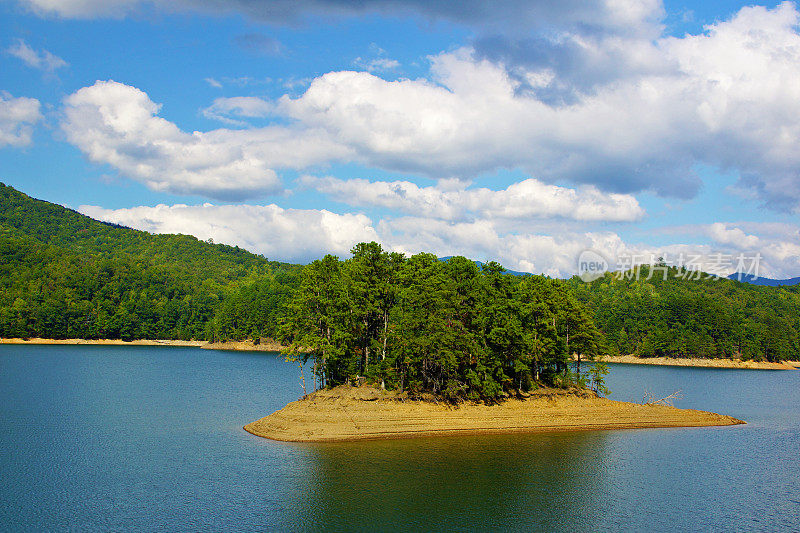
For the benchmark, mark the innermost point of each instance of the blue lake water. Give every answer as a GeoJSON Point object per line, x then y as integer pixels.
{"type": "Point", "coordinates": [150, 438]}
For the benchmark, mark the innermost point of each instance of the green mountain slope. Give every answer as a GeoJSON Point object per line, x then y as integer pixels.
{"type": "Point", "coordinates": [64, 275]}
{"type": "Point", "coordinates": [703, 317]}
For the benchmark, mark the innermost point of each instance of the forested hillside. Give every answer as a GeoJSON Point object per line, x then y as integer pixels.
{"type": "Point", "coordinates": [681, 316]}
{"type": "Point", "coordinates": [65, 275]}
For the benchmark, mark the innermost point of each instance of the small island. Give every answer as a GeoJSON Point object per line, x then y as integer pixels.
{"type": "Point", "coordinates": [355, 413]}
{"type": "Point", "coordinates": [406, 347]}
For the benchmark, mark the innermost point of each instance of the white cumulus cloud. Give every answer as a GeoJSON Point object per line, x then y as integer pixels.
{"type": "Point", "coordinates": [301, 235]}
{"type": "Point", "coordinates": [775, 246]}
{"type": "Point", "coordinates": [728, 98]}
{"type": "Point", "coordinates": [725, 234]}
{"type": "Point", "coordinates": [297, 235]}
{"type": "Point", "coordinates": [529, 198]}
{"type": "Point", "coordinates": [116, 124]}
{"type": "Point", "coordinates": [17, 118]}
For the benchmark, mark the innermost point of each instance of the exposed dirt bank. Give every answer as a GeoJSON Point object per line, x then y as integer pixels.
{"type": "Point", "coordinates": [105, 342]}
{"type": "Point", "coordinates": [700, 362]}
{"type": "Point", "coordinates": [266, 345]}
{"type": "Point", "coordinates": [350, 413]}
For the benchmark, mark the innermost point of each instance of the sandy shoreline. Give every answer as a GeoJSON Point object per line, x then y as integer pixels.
{"type": "Point", "coordinates": [269, 345]}
{"type": "Point", "coordinates": [703, 363]}
{"type": "Point", "coordinates": [106, 342]}
{"type": "Point", "coordinates": [266, 345]}
{"type": "Point", "coordinates": [348, 413]}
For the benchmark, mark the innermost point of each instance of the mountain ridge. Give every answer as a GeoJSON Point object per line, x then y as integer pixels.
{"type": "Point", "coordinates": [758, 280]}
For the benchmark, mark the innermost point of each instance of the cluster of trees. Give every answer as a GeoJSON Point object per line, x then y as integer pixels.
{"type": "Point", "coordinates": [254, 308]}
{"type": "Point", "coordinates": [65, 275]}
{"type": "Point", "coordinates": [446, 327]}
{"type": "Point", "coordinates": [705, 317]}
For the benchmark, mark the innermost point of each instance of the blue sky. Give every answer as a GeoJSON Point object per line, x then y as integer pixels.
{"type": "Point", "coordinates": [524, 132]}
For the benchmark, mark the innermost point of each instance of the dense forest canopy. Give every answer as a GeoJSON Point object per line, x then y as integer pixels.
{"type": "Point", "coordinates": [666, 315]}
{"type": "Point", "coordinates": [420, 324]}
{"type": "Point", "coordinates": [65, 275]}
{"type": "Point", "coordinates": [440, 324]}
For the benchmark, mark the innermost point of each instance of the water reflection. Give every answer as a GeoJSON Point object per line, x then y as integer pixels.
{"type": "Point", "coordinates": [519, 481]}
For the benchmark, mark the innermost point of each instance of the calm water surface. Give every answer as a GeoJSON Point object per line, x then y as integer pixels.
{"type": "Point", "coordinates": [150, 438]}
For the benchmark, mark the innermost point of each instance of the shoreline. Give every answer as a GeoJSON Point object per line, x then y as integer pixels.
{"type": "Point", "coordinates": [363, 413]}
{"type": "Point", "coordinates": [266, 345]}
{"type": "Point", "coordinates": [701, 362]}
{"type": "Point", "coordinates": [270, 345]}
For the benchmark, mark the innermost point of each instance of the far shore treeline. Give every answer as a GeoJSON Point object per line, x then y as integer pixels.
{"type": "Point", "coordinates": [65, 275]}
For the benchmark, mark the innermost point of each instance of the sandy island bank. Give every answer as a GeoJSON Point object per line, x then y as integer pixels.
{"type": "Point", "coordinates": [265, 345]}
{"type": "Point", "coordinates": [701, 362]}
{"type": "Point", "coordinates": [349, 413]}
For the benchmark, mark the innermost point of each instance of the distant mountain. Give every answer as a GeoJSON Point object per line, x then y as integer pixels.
{"type": "Point", "coordinates": [749, 278]}
{"type": "Point", "coordinates": [480, 265]}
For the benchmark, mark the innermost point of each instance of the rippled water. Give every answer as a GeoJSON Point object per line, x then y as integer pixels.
{"type": "Point", "coordinates": [151, 438]}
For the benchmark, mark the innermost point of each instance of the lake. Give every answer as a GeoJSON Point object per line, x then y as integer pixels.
{"type": "Point", "coordinates": [151, 438]}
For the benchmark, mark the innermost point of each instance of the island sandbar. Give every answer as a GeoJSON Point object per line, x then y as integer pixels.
{"type": "Point", "coordinates": [355, 413]}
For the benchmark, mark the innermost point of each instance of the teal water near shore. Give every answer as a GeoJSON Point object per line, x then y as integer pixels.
{"type": "Point", "coordinates": [150, 438]}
